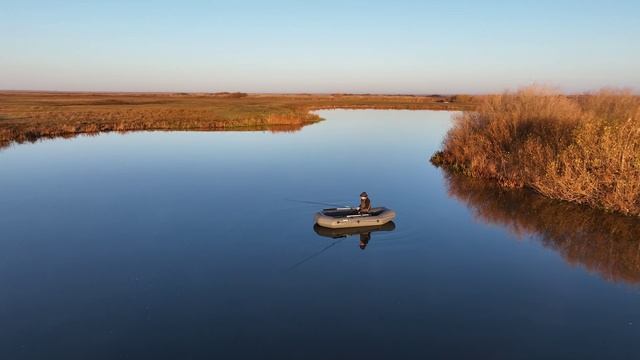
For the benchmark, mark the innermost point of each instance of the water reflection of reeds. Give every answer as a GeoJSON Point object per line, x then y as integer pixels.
{"type": "Point", "coordinates": [33, 138]}
{"type": "Point", "coordinates": [603, 243]}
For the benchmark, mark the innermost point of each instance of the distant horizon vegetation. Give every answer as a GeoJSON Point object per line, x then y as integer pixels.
{"type": "Point", "coordinates": [628, 89]}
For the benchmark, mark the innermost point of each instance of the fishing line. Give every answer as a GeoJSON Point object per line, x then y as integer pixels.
{"type": "Point", "coordinates": [314, 255]}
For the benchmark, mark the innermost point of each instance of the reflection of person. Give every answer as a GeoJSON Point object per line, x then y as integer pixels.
{"type": "Point", "coordinates": [365, 204]}
{"type": "Point", "coordinates": [364, 240]}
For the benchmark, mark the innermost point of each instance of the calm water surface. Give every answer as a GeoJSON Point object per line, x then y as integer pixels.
{"type": "Point", "coordinates": [201, 245]}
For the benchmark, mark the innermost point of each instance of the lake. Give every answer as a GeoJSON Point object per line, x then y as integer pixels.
{"type": "Point", "coordinates": [193, 245]}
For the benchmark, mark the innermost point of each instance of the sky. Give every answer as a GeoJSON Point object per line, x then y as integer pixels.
{"type": "Point", "coordinates": [418, 47]}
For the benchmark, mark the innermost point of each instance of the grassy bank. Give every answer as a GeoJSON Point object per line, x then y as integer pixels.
{"type": "Point", "coordinates": [584, 149]}
{"type": "Point", "coordinates": [29, 116]}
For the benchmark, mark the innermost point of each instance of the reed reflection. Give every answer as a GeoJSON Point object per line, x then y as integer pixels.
{"type": "Point", "coordinates": [8, 138]}
{"type": "Point", "coordinates": [603, 243]}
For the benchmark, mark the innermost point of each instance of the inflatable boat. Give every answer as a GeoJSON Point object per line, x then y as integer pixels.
{"type": "Point", "coordinates": [339, 218]}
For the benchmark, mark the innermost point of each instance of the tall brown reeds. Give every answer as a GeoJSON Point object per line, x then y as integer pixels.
{"type": "Point", "coordinates": [584, 149]}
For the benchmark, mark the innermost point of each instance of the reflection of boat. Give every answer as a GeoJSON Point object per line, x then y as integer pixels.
{"type": "Point", "coordinates": [338, 218]}
{"type": "Point", "coordinates": [363, 231]}
{"type": "Point", "coordinates": [340, 233]}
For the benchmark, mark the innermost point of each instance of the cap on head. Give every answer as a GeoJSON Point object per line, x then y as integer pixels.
{"type": "Point", "coordinates": [364, 194]}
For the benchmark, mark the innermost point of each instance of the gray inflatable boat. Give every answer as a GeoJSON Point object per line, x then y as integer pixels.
{"type": "Point", "coordinates": [339, 218]}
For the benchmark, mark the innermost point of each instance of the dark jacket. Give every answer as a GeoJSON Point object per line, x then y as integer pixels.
{"type": "Point", "coordinates": [365, 205]}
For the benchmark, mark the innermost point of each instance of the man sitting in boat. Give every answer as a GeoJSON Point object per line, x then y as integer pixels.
{"type": "Point", "coordinates": [365, 204]}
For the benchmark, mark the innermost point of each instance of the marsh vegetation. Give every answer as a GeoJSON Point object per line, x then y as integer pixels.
{"type": "Point", "coordinates": [583, 149]}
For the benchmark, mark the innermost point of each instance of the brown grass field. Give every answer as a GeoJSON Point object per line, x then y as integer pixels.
{"type": "Point", "coordinates": [29, 116]}
{"type": "Point", "coordinates": [584, 149]}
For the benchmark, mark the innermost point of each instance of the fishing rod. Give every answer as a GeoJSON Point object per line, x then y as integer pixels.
{"type": "Point", "coordinates": [320, 203]}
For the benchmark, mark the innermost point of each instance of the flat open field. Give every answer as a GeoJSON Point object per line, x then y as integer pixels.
{"type": "Point", "coordinates": [28, 116]}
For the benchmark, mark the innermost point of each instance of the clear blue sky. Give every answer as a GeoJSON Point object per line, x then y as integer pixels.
{"type": "Point", "coordinates": [318, 46]}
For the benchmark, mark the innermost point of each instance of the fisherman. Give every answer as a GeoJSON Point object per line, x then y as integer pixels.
{"type": "Point", "coordinates": [365, 204]}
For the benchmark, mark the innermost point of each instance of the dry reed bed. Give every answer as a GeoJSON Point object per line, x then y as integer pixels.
{"type": "Point", "coordinates": [584, 149]}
